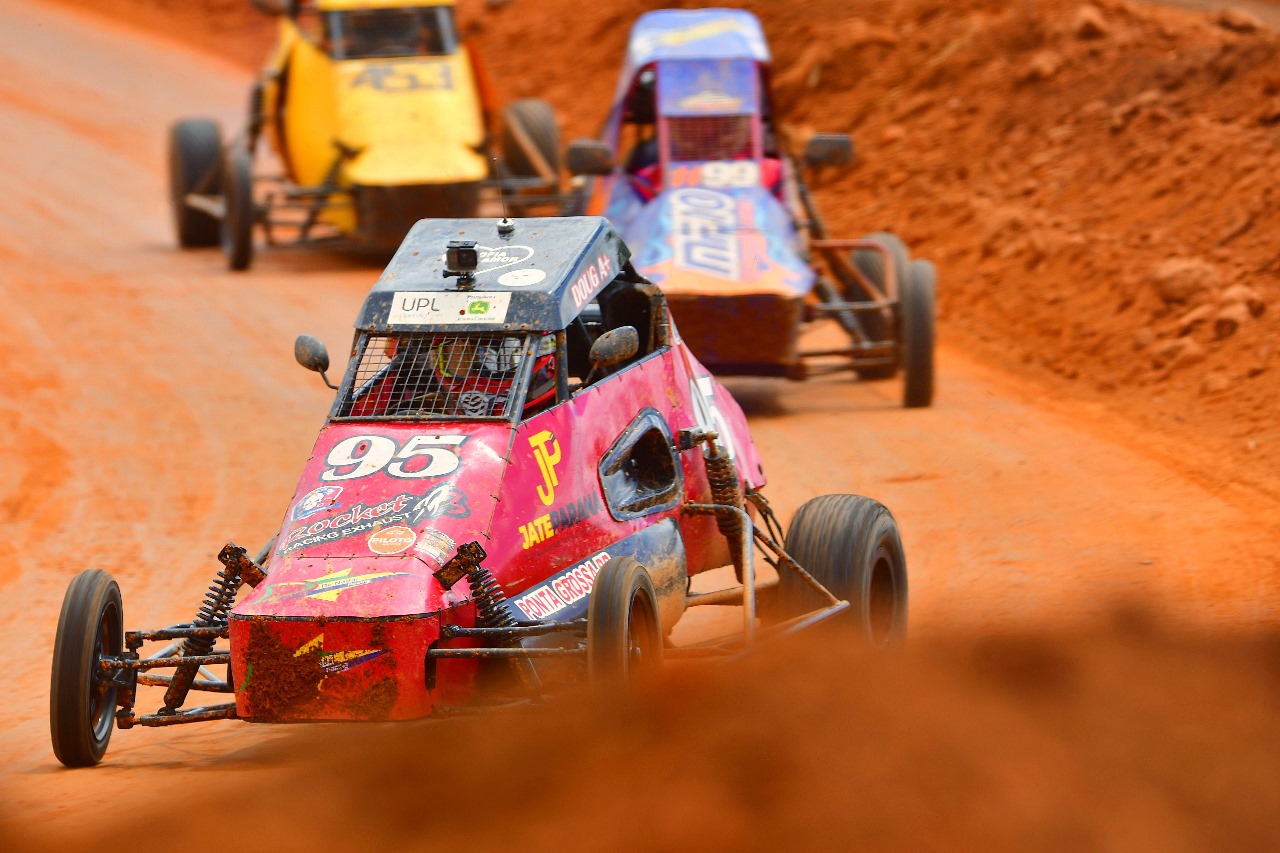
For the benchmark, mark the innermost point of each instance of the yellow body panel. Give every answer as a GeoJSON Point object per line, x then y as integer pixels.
{"type": "Point", "coordinates": [309, 113]}
{"type": "Point", "coordinates": [415, 121]}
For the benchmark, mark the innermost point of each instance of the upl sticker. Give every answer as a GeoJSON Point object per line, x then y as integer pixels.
{"type": "Point", "coordinates": [448, 309]}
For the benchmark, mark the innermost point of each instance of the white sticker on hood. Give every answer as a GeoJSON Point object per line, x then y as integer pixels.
{"type": "Point", "coordinates": [521, 278]}
{"type": "Point", "coordinates": [448, 309]}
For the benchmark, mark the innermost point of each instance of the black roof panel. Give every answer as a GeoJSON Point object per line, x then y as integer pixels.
{"type": "Point", "coordinates": [537, 278]}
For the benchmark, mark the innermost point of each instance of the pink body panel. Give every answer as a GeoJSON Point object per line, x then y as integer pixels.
{"type": "Point", "coordinates": [382, 505]}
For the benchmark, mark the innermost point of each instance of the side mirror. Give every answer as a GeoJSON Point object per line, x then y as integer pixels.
{"type": "Point", "coordinates": [828, 149]}
{"type": "Point", "coordinates": [614, 347]}
{"type": "Point", "coordinates": [272, 7]}
{"type": "Point", "coordinates": [588, 157]}
{"type": "Point", "coordinates": [312, 355]}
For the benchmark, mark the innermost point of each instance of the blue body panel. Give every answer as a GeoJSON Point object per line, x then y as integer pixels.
{"type": "Point", "coordinates": [738, 235]}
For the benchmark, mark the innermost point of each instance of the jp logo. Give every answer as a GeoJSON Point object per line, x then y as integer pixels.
{"type": "Point", "coordinates": [547, 451]}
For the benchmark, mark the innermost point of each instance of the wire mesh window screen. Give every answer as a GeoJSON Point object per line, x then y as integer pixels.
{"type": "Point", "coordinates": [374, 33]}
{"type": "Point", "coordinates": [701, 138]}
{"type": "Point", "coordinates": [436, 376]}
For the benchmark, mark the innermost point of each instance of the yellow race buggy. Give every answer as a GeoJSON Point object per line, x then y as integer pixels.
{"type": "Point", "coordinates": [378, 115]}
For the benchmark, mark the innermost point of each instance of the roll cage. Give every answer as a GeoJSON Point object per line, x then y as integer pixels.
{"type": "Point", "coordinates": [405, 375]}
{"type": "Point", "coordinates": [380, 33]}
{"type": "Point", "coordinates": [678, 113]}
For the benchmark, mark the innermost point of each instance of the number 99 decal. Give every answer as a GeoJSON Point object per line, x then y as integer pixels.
{"type": "Point", "coordinates": [741, 173]}
{"type": "Point", "coordinates": [420, 456]}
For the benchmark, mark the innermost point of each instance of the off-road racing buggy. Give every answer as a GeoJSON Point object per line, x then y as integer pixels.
{"type": "Point", "coordinates": [378, 114]}
{"type": "Point", "coordinates": [697, 175]}
{"type": "Point", "coordinates": [523, 467]}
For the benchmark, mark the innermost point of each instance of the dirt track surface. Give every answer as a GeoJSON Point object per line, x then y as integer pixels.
{"type": "Point", "coordinates": [154, 412]}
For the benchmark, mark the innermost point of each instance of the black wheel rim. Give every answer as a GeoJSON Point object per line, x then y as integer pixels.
{"type": "Point", "coordinates": [102, 692]}
{"type": "Point", "coordinates": [641, 635]}
{"type": "Point", "coordinates": [882, 600]}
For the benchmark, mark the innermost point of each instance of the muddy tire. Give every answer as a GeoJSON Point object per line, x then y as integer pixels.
{"type": "Point", "coordinates": [239, 215]}
{"type": "Point", "coordinates": [81, 706]}
{"type": "Point", "coordinates": [624, 631]}
{"type": "Point", "coordinates": [535, 120]}
{"type": "Point", "coordinates": [871, 264]}
{"type": "Point", "coordinates": [195, 166]}
{"type": "Point", "coordinates": [918, 295]}
{"type": "Point", "coordinates": [851, 545]}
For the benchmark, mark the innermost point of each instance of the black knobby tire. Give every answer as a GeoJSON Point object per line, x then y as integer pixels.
{"type": "Point", "coordinates": [538, 121]}
{"type": "Point", "coordinates": [195, 166]}
{"type": "Point", "coordinates": [850, 544]}
{"type": "Point", "coordinates": [239, 212]}
{"type": "Point", "coordinates": [624, 630]}
{"type": "Point", "coordinates": [918, 295]}
{"type": "Point", "coordinates": [871, 264]}
{"type": "Point", "coordinates": [81, 709]}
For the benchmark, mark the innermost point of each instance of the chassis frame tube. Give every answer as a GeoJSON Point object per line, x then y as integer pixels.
{"type": "Point", "coordinates": [156, 663]}
{"type": "Point", "coordinates": [748, 566]}
{"type": "Point", "coordinates": [191, 715]}
{"type": "Point", "coordinates": [516, 652]}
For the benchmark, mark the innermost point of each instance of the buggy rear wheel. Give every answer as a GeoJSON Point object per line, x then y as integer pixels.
{"type": "Point", "coordinates": [238, 210]}
{"type": "Point", "coordinates": [530, 133]}
{"type": "Point", "coordinates": [195, 166]}
{"type": "Point", "coordinates": [917, 302]}
{"type": "Point", "coordinates": [850, 544]}
{"type": "Point", "coordinates": [82, 704]}
{"type": "Point", "coordinates": [871, 264]}
{"type": "Point", "coordinates": [624, 632]}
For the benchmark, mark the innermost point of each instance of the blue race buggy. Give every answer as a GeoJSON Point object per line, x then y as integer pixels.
{"type": "Point", "coordinates": [697, 174]}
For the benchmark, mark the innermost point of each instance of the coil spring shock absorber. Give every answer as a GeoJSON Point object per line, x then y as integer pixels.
{"type": "Point", "coordinates": [214, 611]}
{"type": "Point", "coordinates": [726, 489]}
{"type": "Point", "coordinates": [492, 608]}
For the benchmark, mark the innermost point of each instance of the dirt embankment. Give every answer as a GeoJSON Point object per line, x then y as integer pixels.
{"type": "Point", "coordinates": [1092, 178]}
{"type": "Point", "coordinates": [1095, 183]}
{"type": "Point", "coordinates": [1007, 743]}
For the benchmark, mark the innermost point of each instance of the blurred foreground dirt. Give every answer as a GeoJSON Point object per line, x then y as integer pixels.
{"type": "Point", "coordinates": [1127, 738]}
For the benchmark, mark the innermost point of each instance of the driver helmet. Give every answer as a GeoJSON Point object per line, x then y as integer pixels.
{"type": "Point", "coordinates": [479, 372]}
{"type": "Point", "coordinates": [382, 31]}
{"type": "Point", "coordinates": [711, 137]}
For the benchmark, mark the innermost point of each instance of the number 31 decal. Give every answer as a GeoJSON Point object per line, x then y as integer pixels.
{"type": "Point", "coordinates": [420, 456]}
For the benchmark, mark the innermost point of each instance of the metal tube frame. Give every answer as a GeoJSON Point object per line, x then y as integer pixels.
{"type": "Point", "coordinates": [130, 670]}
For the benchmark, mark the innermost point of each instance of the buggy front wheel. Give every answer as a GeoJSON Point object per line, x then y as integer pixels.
{"type": "Point", "coordinates": [82, 701]}
{"type": "Point", "coordinates": [195, 167]}
{"type": "Point", "coordinates": [872, 265]}
{"type": "Point", "coordinates": [918, 295]}
{"type": "Point", "coordinates": [851, 545]}
{"type": "Point", "coordinates": [624, 632]}
{"type": "Point", "coordinates": [238, 209]}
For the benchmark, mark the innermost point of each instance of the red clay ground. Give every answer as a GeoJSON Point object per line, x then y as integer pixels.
{"type": "Point", "coordinates": [153, 414]}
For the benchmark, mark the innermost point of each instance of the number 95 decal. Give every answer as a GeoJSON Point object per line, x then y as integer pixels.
{"type": "Point", "coordinates": [420, 456]}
